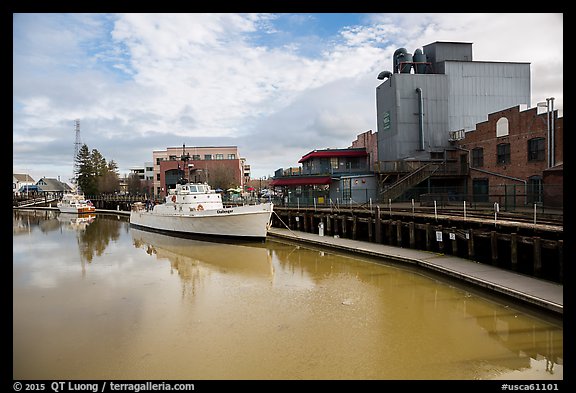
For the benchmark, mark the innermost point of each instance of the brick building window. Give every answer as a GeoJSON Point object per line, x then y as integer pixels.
{"type": "Point", "coordinates": [535, 189]}
{"type": "Point", "coordinates": [502, 127]}
{"type": "Point", "coordinates": [195, 156]}
{"type": "Point", "coordinates": [219, 156]}
{"type": "Point", "coordinates": [231, 156]}
{"type": "Point", "coordinates": [536, 149]}
{"type": "Point", "coordinates": [503, 153]}
{"type": "Point", "coordinates": [207, 156]}
{"type": "Point", "coordinates": [477, 157]}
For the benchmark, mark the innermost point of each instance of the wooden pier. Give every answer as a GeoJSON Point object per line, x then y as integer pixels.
{"type": "Point", "coordinates": [520, 246]}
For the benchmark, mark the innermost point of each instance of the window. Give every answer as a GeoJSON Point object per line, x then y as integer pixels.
{"type": "Point", "coordinates": [219, 156]}
{"type": "Point", "coordinates": [334, 163]}
{"type": "Point", "coordinates": [535, 189]}
{"type": "Point", "coordinates": [502, 127]}
{"type": "Point", "coordinates": [477, 157]}
{"type": "Point", "coordinates": [231, 156]}
{"type": "Point", "coordinates": [172, 158]}
{"type": "Point", "coordinates": [207, 156]}
{"type": "Point", "coordinates": [503, 153]}
{"type": "Point", "coordinates": [158, 176]}
{"type": "Point", "coordinates": [195, 156]}
{"type": "Point", "coordinates": [536, 149]}
{"type": "Point", "coordinates": [158, 161]}
{"type": "Point", "coordinates": [480, 190]}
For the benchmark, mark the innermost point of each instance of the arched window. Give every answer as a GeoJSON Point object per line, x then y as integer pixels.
{"type": "Point", "coordinates": [502, 127]}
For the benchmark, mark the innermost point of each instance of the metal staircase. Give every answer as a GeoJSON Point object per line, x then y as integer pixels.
{"type": "Point", "coordinates": [408, 181]}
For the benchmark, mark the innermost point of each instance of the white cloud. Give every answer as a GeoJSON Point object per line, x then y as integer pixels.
{"type": "Point", "coordinates": [139, 81]}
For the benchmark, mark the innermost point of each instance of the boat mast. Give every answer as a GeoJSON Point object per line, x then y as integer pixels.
{"type": "Point", "coordinates": [184, 158]}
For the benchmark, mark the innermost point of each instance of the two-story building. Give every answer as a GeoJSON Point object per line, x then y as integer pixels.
{"type": "Point", "coordinates": [337, 176]}
{"type": "Point", "coordinates": [20, 181]}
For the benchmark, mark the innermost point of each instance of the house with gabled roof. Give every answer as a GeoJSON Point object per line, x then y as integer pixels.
{"type": "Point", "coordinates": [53, 187]}
{"type": "Point", "coordinates": [20, 180]}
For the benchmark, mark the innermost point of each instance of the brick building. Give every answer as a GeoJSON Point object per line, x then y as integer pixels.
{"type": "Point", "coordinates": [219, 166]}
{"type": "Point", "coordinates": [369, 141]}
{"type": "Point", "coordinates": [511, 160]}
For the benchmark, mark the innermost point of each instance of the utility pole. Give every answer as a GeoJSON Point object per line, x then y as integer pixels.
{"type": "Point", "coordinates": [77, 145]}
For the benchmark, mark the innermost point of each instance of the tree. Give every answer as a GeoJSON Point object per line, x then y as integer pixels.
{"type": "Point", "coordinates": [86, 179]}
{"type": "Point", "coordinates": [109, 182]}
{"type": "Point", "coordinates": [221, 177]}
{"type": "Point", "coordinates": [134, 184]}
{"type": "Point", "coordinates": [94, 175]}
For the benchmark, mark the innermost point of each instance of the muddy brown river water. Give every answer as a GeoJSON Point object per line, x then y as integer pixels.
{"type": "Point", "coordinates": [101, 300]}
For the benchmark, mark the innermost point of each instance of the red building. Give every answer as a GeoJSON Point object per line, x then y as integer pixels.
{"type": "Point", "coordinates": [219, 166]}
{"type": "Point", "coordinates": [516, 157]}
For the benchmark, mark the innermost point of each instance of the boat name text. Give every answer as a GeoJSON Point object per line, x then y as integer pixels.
{"type": "Point", "coordinates": [224, 211]}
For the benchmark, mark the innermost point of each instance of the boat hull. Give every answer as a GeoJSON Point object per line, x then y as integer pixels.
{"type": "Point", "coordinates": [247, 222]}
{"type": "Point", "coordinates": [76, 210]}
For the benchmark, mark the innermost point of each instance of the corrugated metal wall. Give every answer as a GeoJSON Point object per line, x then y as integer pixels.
{"type": "Point", "coordinates": [459, 99]}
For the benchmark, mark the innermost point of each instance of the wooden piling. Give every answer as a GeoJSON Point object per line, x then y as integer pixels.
{"type": "Point", "coordinates": [494, 247]}
{"type": "Point", "coordinates": [354, 226]}
{"type": "Point", "coordinates": [378, 225]}
{"type": "Point", "coordinates": [537, 256]}
{"type": "Point", "coordinates": [399, 233]}
{"type": "Point", "coordinates": [454, 243]}
{"type": "Point", "coordinates": [412, 234]}
{"type": "Point", "coordinates": [561, 260]}
{"type": "Point", "coordinates": [313, 229]}
{"type": "Point", "coordinates": [328, 225]}
{"type": "Point", "coordinates": [388, 224]}
{"type": "Point", "coordinates": [440, 243]}
{"type": "Point", "coordinates": [514, 251]}
{"type": "Point", "coordinates": [470, 244]}
{"type": "Point", "coordinates": [428, 236]}
{"type": "Point", "coordinates": [370, 234]}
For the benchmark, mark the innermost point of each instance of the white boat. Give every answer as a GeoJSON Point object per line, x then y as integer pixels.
{"type": "Point", "coordinates": [196, 209]}
{"type": "Point", "coordinates": [75, 203]}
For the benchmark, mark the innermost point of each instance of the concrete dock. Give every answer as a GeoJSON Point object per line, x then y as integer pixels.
{"type": "Point", "coordinates": [531, 291]}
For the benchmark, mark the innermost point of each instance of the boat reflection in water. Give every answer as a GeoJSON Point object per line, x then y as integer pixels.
{"type": "Point", "coordinates": [190, 256]}
{"type": "Point", "coordinates": [77, 222]}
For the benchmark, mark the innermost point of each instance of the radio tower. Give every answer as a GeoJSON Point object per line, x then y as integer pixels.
{"type": "Point", "coordinates": [77, 145]}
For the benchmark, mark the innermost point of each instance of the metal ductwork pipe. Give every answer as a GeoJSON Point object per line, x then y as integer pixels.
{"type": "Point", "coordinates": [420, 119]}
{"type": "Point", "coordinates": [384, 75]}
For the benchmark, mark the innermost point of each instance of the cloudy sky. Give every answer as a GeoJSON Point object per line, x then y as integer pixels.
{"type": "Point", "coordinates": [275, 85]}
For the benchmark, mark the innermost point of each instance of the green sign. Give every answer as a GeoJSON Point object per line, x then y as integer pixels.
{"type": "Point", "coordinates": [386, 121]}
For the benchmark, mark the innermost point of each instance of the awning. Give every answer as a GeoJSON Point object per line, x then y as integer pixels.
{"type": "Point", "coordinates": [28, 188]}
{"type": "Point", "coordinates": [334, 153]}
{"type": "Point", "coordinates": [301, 181]}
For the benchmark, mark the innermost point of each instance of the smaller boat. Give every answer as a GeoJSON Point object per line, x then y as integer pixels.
{"type": "Point", "coordinates": [75, 203]}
